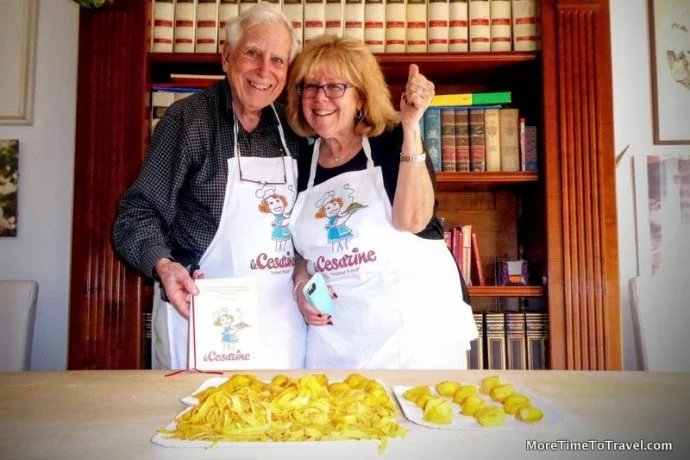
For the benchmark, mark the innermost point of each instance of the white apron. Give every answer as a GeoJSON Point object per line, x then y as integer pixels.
{"type": "Point", "coordinates": [399, 301]}
{"type": "Point", "coordinates": [252, 239]}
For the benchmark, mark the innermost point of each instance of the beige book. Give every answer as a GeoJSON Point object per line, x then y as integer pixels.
{"type": "Point", "coordinates": [246, 4]}
{"type": "Point", "coordinates": [524, 25]}
{"type": "Point", "coordinates": [395, 26]}
{"type": "Point", "coordinates": [480, 25]}
{"type": "Point", "coordinates": [334, 17]}
{"type": "Point", "coordinates": [162, 26]}
{"type": "Point", "coordinates": [437, 26]}
{"type": "Point", "coordinates": [501, 39]}
{"type": "Point", "coordinates": [294, 11]}
{"type": "Point", "coordinates": [495, 333]}
{"type": "Point", "coordinates": [227, 9]}
{"type": "Point", "coordinates": [374, 19]}
{"type": "Point", "coordinates": [458, 26]}
{"type": "Point", "coordinates": [160, 101]}
{"type": "Point", "coordinates": [415, 36]}
{"type": "Point", "coordinates": [275, 4]}
{"type": "Point", "coordinates": [314, 19]}
{"type": "Point", "coordinates": [206, 34]}
{"type": "Point", "coordinates": [492, 139]}
{"type": "Point", "coordinates": [353, 19]}
{"type": "Point", "coordinates": [510, 143]}
{"type": "Point", "coordinates": [185, 11]}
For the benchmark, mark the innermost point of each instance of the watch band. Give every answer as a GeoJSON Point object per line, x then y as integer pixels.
{"type": "Point", "coordinates": [419, 158]}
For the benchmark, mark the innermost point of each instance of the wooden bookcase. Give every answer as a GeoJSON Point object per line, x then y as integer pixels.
{"type": "Point", "coordinates": [564, 216]}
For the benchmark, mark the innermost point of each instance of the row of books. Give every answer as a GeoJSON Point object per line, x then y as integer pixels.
{"type": "Point", "coordinates": [479, 138]}
{"type": "Point", "coordinates": [462, 243]}
{"type": "Point", "coordinates": [511, 340]}
{"type": "Point", "coordinates": [163, 97]}
{"type": "Point", "coordinates": [386, 26]}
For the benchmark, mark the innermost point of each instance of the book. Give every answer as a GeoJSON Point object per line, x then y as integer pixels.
{"type": "Point", "coordinates": [537, 330]}
{"type": "Point", "coordinates": [468, 99]}
{"type": "Point", "coordinates": [437, 26]}
{"type": "Point", "coordinates": [448, 139]}
{"type": "Point", "coordinates": [475, 355]}
{"type": "Point", "coordinates": [462, 140]}
{"type": "Point", "coordinates": [294, 12]}
{"type": "Point", "coordinates": [227, 9]}
{"type": "Point", "coordinates": [416, 32]}
{"type": "Point", "coordinates": [524, 25]}
{"type": "Point", "coordinates": [314, 19]}
{"type": "Point", "coordinates": [492, 139]}
{"type": "Point", "coordinates": [162, 26]}
{"type": "Point", "coordinates": [495, 333]}
{"type": "Point", "coordinates": [516, 341]}
{"type": "Point", "coordinates": [374, 19]}
{"type": "Point", "coordinates": [510, 143]}
{"type": "Point", "coordinates": [432, 136]}
{"type": "Point", "coordinates": [160, 101]}
{"type": "Point", "coordinates": [206, 33]}
{"type": "Point", "coordinates": [333, 16]}
{"type": "Point", "coordinates": [458, 31]}
{"type": "Point", "coordinates": [224, 325]}
{"type": "Point", "coordinates": [477, 142]}
{"type": "Point", "coordinates": [466, 232]}
{"type": "Point", "coordinates": [477, 263]}
{"type": "Point", "coordinates": [531, 149]}
{"type": "Point", "coordinates": [501, 39]}
{"type": "Point", "coordinates": [521, 137]}
{"type": "Point", "coordinates": [353, 19]}
{"type": "Point", "coordinates": [480, 25]}
{"type": "Point", "coordinates": [275, 4]}
{"type": "Point", "coordinates": [185, 12]}
{"type": "Point", "coordinates": [246, 4]}
{"type": "Point", "coordinates": [394, 29]}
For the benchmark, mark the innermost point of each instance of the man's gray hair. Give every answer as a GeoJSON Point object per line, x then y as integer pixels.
{"type": "Point", "coordinates": [263, 14]}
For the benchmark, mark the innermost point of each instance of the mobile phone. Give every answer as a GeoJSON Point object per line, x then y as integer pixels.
{"type": "Point", "coordinates": [317, 293]}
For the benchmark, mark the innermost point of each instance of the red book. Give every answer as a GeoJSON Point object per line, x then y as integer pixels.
{"type": "Point", "coordinates": [477, 260]}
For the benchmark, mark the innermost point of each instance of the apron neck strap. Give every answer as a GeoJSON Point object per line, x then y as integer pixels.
{"type": "Point", "coordinates": [315, 158]}
{"type": "Point", "coordinates": [236, 150]}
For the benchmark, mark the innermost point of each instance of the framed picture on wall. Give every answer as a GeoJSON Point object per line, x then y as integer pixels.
{"type": "Point", "coordinates": [669, 37]}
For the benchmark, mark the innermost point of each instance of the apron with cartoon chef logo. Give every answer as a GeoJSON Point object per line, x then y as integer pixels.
{"type": "Point", "coordinates": [399, 301]}
{"type": "Point", "coordinates": [254, 240]}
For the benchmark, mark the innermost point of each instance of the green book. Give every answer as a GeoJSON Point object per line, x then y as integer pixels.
{"type": "Point", "coordinates": [467, 99]}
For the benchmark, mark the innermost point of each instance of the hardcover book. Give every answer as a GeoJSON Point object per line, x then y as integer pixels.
{"type": "Point", "coordinates": [537, 327]}
{"type": "Point", "coordinates": [480, 25]}
{"type": "Point", "coordinates": [510, 143]}
{"type": "Point", "coordinates": [475, 355]}
{"type": "Point", "coordinates": [432, 136]}
{"type": "Point", "coordinates": [314, 19]}
{"type": "Point", "coordinates": [458, 26]}
{"type": "Point", "coordinates": [501, 39]}
{"type": "Point", "coordinates": [448, 139]}
{"type": "Point", "coordinates": [206, 33]}
{"type": "Point", "coordinates": [416, 32]}
{"type": "Point", "coordinates": [185, 12]}
{"type": "Point", "coordinates": [395, 26]}
{"type": "Point", "coordinates": [162, 17]}
{"type": "Point", "coordinates": [495, 341]}
{"type": "Point", "coordinates": [227, 9]}
{"type": "Point", "coordinates": [334, 17]}
{"type": "Point", "coordinates": [353, 19]}
{"type": "Point", "coordinates": [437, 27]}
{"type": "Point", "coordinates": [374, 18]}
{"type": "Point", "coordinates": [477, 141]}
{"type": "Point", "coordinates": [516, 341]}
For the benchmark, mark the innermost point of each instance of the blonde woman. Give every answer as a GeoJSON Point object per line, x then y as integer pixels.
{"type": "Point", "coordinates": [397, 289]}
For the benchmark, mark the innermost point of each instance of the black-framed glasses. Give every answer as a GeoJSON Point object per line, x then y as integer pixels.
{"type": "Point", "coordinates": [259, 181]}
{"type": "Point", "coordinates": [330, 90]}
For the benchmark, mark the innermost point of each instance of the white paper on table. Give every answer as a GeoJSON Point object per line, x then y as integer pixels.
{"type": "Point", "coordinates": [224, 326]}
{"type": "Point", "coordinates": [465, 422]}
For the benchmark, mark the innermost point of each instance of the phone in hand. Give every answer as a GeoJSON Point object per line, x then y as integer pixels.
{"type": "Point", "coordinates": [316, 291]}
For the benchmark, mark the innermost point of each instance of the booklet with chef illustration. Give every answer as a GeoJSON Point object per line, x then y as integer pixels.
{"type": "Point", "coordinates": [223, 327]}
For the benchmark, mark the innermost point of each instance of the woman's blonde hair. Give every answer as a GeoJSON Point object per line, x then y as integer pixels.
{"type": "Point", "coordinates": [353, 62]}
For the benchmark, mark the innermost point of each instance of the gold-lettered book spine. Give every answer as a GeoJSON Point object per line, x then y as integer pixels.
{"type": "Point", "coordinates": [495, 341]}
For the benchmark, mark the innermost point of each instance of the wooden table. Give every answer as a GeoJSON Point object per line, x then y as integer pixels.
{"type": "Point", "coordinates": [114, 414]}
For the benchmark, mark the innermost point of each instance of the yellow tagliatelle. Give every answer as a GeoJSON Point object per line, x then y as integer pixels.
{"type": "Point", "coordinates": [287, 409]}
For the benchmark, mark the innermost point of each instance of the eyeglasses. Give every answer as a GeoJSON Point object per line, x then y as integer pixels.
{"type": "Point", "coordinates": [330, 90]}
{"type": "Point", "coordinates": [259, 181]}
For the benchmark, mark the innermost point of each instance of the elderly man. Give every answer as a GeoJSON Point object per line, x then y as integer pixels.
{"type": "Point", "coordinates": [215, 193]}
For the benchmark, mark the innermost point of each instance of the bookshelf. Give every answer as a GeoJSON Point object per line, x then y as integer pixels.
{"type": "Point", "coordinates": [563, 216]}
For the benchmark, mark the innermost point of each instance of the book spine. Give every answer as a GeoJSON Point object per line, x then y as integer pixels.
{"type": "Point", "coordinates": [275, 4]}
{"type": "Point", "coordinates": [498, 97]}
{"type": "Point", "coordinates": [162, 27]}
{"type": "Point", "coordinates": [432, 136]}
{"type": "Point", "coordinates": [531, 149]}
{"type": "Point", "coordinates": [185, 10]}
{"type": "Point", "coordinates": [353, 19]}
{"type": "Point", "coordinates": [448, 139]}
{"type": "Point", "coordinates": [246, 4]}
{"type": "Point", "coordinates": [524, 25]}
{"type": "Point", "coordinates": [477, 142]}
{"type": "Point", "coordinates": [437, 27]}
{"type": "Point", "coordinates": [476, 257]}
{"type": "Point", "coordinates": [480, 25]}
{"type": "Point", "coordinates": [415, 36]}
{"type": "Point", "coordinates": [457, 247]}
{"type": "Point", "coordinates": [458, 31]}
{"type": "Point", "coordinates": [294, 12]}
{"type": "Point", "coordinates": [374, 19]}
{"type": "Point", "coordinates": [206, 34]}
{"type": "Point", "coordinates": [467, 253]}
{"type": "Point", "coordinates": [510, 148]}
{"type": "Point", "coordinates": [160, 101]}
{"type": "Point", "coordinates": [334, 17]}
{"type": "Point", "coordinates": [492, 139]}
{"type": "Point", "coordinates": [475, 355]}
{"type": "Point", "coordinates": [227, 9]}
{"type": "Point", "coordinates": [536, 325]}
{"type": "Point", "coordinates": [516, 341]}
{"type": "Point", "coordinates": [462, 140]}
{"type": "Point", "coordinates": [521, 134]}
{"type": "Point", "coordinates": [314, 19]}
{"type": "Point", "coordinates": [500, 25]}
{"type": "Point", "coordinates": [468, 99]}
{"type": "Point", "coordinates": [495, 341]}
{"type": "Point", "coordinates": [395, 26]}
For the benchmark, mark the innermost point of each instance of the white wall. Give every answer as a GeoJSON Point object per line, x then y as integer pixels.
{"type": "Point", "coordinates": [41, 249]}
{"type": "Point", "coordinates": [632, 101]}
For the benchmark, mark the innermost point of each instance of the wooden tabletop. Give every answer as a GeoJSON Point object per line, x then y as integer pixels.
{"type": "Point", "coordinates": [114, 414]}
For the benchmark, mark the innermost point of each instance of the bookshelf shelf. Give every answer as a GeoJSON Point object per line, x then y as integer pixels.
{"type": "Point", "coordinates": [506, 291]}
{"type": "Point", "coordinates": [451, 180]}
